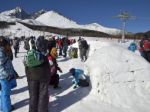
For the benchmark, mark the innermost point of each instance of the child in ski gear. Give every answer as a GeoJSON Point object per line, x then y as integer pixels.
{"type": "Point", "coordinates": [54, 80]}
{"type": "Point", "coordinates": [132, 47]}
{"type": "Point", "coordinates": [77, 75]}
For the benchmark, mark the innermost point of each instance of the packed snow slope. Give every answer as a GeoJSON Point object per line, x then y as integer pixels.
{"type": "Point", "coordinates": [120, 82]}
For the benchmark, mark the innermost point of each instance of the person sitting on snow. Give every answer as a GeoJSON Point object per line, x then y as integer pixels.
{"type": "Point", "coordinates": [79, 78]}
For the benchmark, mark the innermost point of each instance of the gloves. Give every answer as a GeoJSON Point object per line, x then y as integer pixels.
{"type": "Point", "coordinates": [60, 71]}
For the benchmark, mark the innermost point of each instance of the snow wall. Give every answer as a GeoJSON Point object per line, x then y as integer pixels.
{"type": "Point", "coordinates": [119, 77]}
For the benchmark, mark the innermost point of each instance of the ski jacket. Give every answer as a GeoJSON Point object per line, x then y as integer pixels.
{"type": "Point", "coordinates": [6, 67]}
{"type": "Point", "coordinates": [79, 74]}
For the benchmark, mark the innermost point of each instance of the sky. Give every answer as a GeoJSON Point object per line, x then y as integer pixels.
{"type": "Point", "coordinates": [91, 11]}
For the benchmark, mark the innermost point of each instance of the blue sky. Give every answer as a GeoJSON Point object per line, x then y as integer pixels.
{"type": "Point", "coordinates": [90, 11]}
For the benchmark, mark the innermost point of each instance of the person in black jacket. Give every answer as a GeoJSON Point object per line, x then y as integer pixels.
{"type": "Point", "coordinates": [38, 82]}
{"type": "Point", "coordinates": [83, 47]}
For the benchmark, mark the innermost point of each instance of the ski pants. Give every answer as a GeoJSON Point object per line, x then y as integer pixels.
{"type": "Point", "coordinates": [39, 97]}
{"type": "Point", "coordinates": [83, 54]}
{"type": "Point", "coordinates": [147, 56]}
{"type": "Point", "coordinates": [5, 101]}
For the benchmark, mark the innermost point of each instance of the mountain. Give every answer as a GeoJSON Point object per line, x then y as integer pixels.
{"type": "Point", "coordinates": [38, 13]}
{"type": "Point", "coordinates": [16, 13]}
{"type": "Point", "coordinates": [97, 27]}
{"type": "Point", "coordinates": [54, 19]}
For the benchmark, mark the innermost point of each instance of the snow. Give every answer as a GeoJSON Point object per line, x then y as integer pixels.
{"type": "Point", "coordinates": [32, 22]}
{"type": "Point", "coordinates": [12, 12]}
{"type": "Point", "coordinates": [8, 18]}
{"type": "Point", "coordinates": [97, 27]}
{"type": "Point", "coordinates": [120, 82]}
{"type": "Point", "coordinates": [19, 30]}
{"type": "Point", "coordinates": [51, 18]}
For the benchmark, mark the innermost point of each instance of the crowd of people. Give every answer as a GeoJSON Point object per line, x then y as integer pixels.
{"type": "Point", "coordinates": [41, 66]}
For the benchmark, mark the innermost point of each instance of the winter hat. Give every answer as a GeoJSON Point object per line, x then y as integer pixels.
{"type": "Point", "coordinates": [53, 52]}
{"type": "Point", "coordinates": [72, 71]}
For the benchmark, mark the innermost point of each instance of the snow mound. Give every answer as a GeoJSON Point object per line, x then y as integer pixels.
{"type": "Point", "coordinates": [119, 77]}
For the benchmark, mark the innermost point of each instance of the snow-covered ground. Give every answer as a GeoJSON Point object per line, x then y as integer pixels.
{"type": "Point", "coordinates": [120, 81]}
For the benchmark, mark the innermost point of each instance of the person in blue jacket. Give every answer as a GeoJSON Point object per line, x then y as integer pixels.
{"type": "Point", "coordinates": [6, 75]}
{"type": "Point", "coordinates": [132, 47]}
{"type": "Point", "coordinates": [77, 75]}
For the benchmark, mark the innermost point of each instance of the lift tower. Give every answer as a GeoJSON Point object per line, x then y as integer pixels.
{"type": "Point", "coordinates": [124, 16]}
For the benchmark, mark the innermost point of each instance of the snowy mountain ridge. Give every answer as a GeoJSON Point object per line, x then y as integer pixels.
{"type": "Point", "coordinates": [16, 13]}
{"type": "Point", "coordinates": [52, 18]}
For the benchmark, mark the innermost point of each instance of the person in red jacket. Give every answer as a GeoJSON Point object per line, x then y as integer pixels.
{"type": "Point", "coordinates": [54, 80]}
{"type": "Point", "coordinates": [60, 46]}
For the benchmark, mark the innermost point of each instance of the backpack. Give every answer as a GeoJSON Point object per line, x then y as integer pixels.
{"type": "Point", "coordinates": [83, 83]}
{"type": "Point", "coordinates": [146, 45]}
{"type": "Point", "coordinates": [74, 53]}
{"type": "Point", "coordinates": [33, 58]}
{"type": "Point", "coordinates": [84, 44]}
